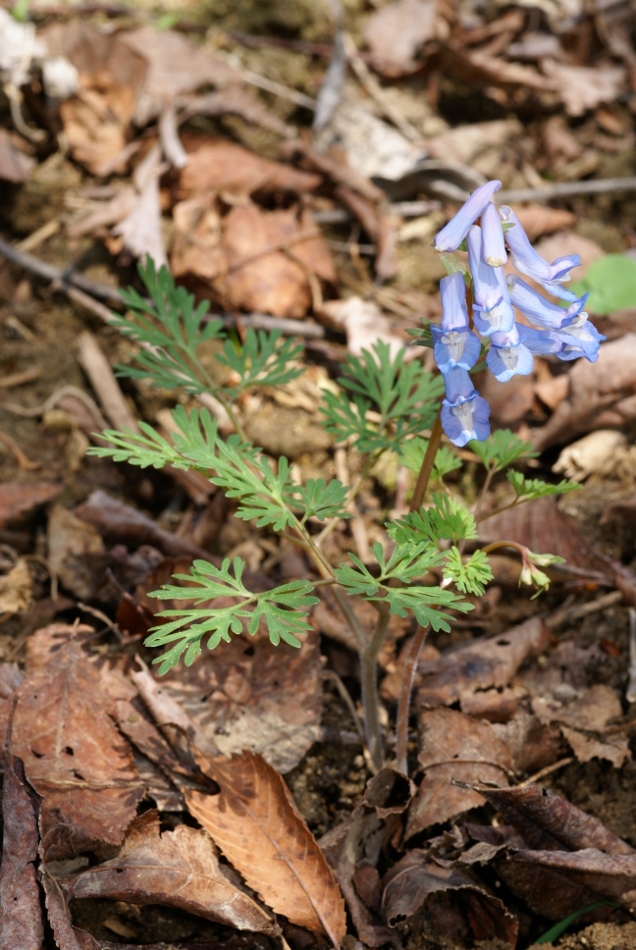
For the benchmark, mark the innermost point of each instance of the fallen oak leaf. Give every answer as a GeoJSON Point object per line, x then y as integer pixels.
{"type": "Point", "coordinates": [179, 868]}
{"type": "Point", "coordinates": [255, 823]}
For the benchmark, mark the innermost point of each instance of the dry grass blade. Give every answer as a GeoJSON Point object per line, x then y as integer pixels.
{"type": "Point", "coordinates": [257, 826]}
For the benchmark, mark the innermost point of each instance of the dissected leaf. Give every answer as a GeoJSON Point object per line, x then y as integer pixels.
{"type": "Point", "coordinates": [179, 868]}
{"type": "Point", "coordinates": [74, 756]}
{"type": "Point", "coordinates": [255, 823]}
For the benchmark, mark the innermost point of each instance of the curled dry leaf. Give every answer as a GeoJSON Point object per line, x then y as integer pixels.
{"type": "Point", "coordinates": [583, 723]}
{"type": "Point", "coordinates": [453, 747]}
{"type": "Point", "coordinates": [547, 820]}
{"type": "Point", "coordinates": [612, 876]}
{"type": "Point", "coordinates": [17, 499]}
{"type": "Point", "coordinates": [72, 543]}
{"type": "Point", "coordinates": [480, 664]}
{"type": "Point", "coordinates": [352, 845]}
{"type": "Point", "coordinates": [255, 823]}
{"type": "Point", "coordinates": [415, 882]}
{"type": "Point", "coordinates": [16, 589]}
{"type": "Point", "coordinates": [218, 166]}
{"type": "Point", "coordinates": [601, 395]}
{"type": "Point", "coordinates": [20, 912]}
{"type": "Point", "coordinates": [179, 868]}
{"type": "Point", "coordinates": [74, 756]}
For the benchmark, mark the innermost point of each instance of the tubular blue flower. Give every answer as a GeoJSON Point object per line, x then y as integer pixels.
{"type": "Point", "coordinates": [538, 310]}
{"type": "Point", "coordinates": [455, 343]}
{"type": "Point", "coordinates": [580, 338]}
{"type": "Point", "coordinates": [491, 303]}
{"type": "Point", "coordinates": [494, 248]}
{"type": "Point", "coordinates": [465, 414]}
{"type": "Point", "coordinates": [526, 259]}
{"type": "Point", "coordinates": [452, 235]}
{"type": "Point", "coordinates": [508, 357]}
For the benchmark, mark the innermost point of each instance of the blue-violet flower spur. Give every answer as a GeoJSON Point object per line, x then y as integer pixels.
{"type": "Point", "coordinates": [557, 330]}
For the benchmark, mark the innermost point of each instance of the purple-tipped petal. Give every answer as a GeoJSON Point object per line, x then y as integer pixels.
{"type": "Point", "coordinates": [508, 357]}
{"type": "Point", "coordinates": [492, 310]}
{"type": "Point", "coordinates": [467, 420]}
{"type": "Point", "coordinates": [455, 348]}
{"type": "Point", "coordinates": [454, 310]}
{"type": "Point", "coordinates": [494, 248]}
{"type": "Point", "coordinates": [540, 342]}
{"type": "Point", "coordinates": [580, 338]}
{"type": "Point", "coordinates": [452, 235]}
{"type": "Point", "coordinates": [538, 310]}
{"type": "Point", "coordinates": [526, 259]}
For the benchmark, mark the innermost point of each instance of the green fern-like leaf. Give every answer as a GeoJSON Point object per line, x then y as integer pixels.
{"type": "Point", "coordinates": [405, 397]}
{"type": "Point", "coordinates": [471, 576]}
{"type": "Point", "coordinates": [283, 610]}
{"type": "Point", "coordinates": [527, 489]}
{"type": "Point", "coordinates": [264, 359]}
{"type": "Point", "coordinates": [501, 449]}
{"type": "Point", "coordinates": [447, 519]}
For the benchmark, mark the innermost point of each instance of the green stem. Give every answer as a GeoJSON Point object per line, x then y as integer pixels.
{"type": "Point", "coordinates": [427, 465]}
{"type": "Point", "coordinates": [369, 682]}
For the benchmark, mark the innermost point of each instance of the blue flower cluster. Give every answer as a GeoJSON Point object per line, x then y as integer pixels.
{"type": "Point", "coordinates": [563, 331]}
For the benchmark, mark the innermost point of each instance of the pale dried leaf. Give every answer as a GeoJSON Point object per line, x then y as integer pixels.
{"type": "Point", "coordinates": [179, 868]}
{"type": "Point", "coordinates": [16, 589]}
{"type": "Point", "coordinates": [255, 823]}
{"type": "Point", "coordinates": [582, 88]}
{"type": "Point", "coordinates": [397, 31]}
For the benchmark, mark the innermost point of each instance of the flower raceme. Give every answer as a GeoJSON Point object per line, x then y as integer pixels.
{"type": "Point", "coordinates": [559, 330]}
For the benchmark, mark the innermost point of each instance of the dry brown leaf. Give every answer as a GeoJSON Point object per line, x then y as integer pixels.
{"type": "Point", "coordinates": [475, 66]}
{"type": "Point", "coordinates": [179, 868]}
{"type": "Point", "coordinates": [217, 165]}
{"type": "Point", "coordinates": [16, 589]}
{"type": "Point", "coordinates": [547, 820]}
{"type": "Point", "coordinates": [97, 119]}
{"type": "Point", "coordinates": [15, 164]}
{"type": "Point", "coordinates": [537, 220]}
{"type": "Point", "coordinates": [74, 756]}
{"type": "Point", "coordinates": [271, 258]}
{"type": "Point", "coordinates": [453, 747]}
{"type": "Point", "coordinates": [582, 88]}
{"type": "Point", "coordinates": [397, 31]}
{"type": "Point", "coordinates": [480, 664]}
{"type": "Point", "coordinates": [363, 322]}
{"type": "Point", "coordinates": [474, 914]}
{"type": "Point", "coordinates": [175, 65]}
{"type": "Point", "coordinates": [235, 99]}
{"type": "Point", "coordinates": [601, 395]}
{"type": "Point", "coordinates": [18, 499]}
{"type": "Point", "coordinates": [248, 697]}
{"type": "Point", "coordinates": [612, 876]}
{"type": "Point", "coordinates": [21, 923]}
{"type": "Point", "coordinates": [255, 823]}
{"type": "Point", "coordinates": [353, 844]}
{"type": "Point", "coordinates": [72, 541]}
{"type": "Point", "coordinates": [584, 721]}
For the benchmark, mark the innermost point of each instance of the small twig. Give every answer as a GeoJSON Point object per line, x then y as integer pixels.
{"type": "Point", "coordinates": [22, 460]}
{"type": "Point", "coordinates": [630, 694]}
{"type": "Point", "coordinates": [566, 189]}
{"type": "Point", "coordinates": [546, 771]}
{"type": "Point", "coordinates": [19, 379]}
{"type": "Point", "coordinates": [92, 360]}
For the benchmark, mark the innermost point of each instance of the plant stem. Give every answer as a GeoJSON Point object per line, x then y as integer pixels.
{"type": "Point", "coordinates": [369, 682]}
{"type": "Point", "coordinates": [404, 701]}
{"type": "Point", "coordinates": [427, 465]}
{"type": "Point", "coordinates": [406, 688]}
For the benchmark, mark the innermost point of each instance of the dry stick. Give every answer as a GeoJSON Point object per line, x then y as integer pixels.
{"type": "Point", "coordinates": [408, 678]}
{"type": "Point", "coordinates": [91, 358]}
{"type": "Point", "coordinates": [566, 189]}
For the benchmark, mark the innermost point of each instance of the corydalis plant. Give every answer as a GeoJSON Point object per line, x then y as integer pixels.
{"type": "Point", "coordinates": [559, 330]}
{"type": "Point", "coordinates": [382, 405]}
